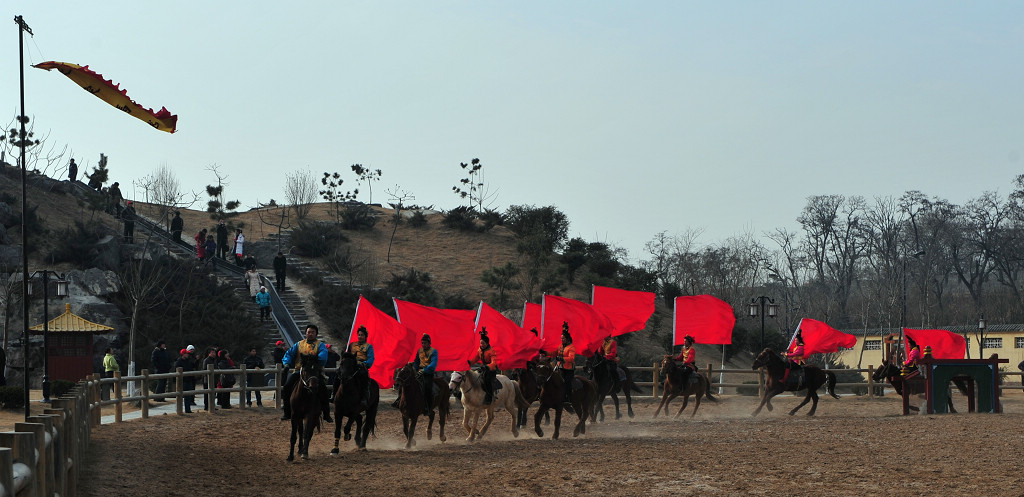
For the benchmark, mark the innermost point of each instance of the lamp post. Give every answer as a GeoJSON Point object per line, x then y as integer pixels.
{"type": "Point", "coordinates": [981, 336]}
{"type": "Point", "coordinates": [22, 143]}
{"type": "Point", "coordinates": [62, 291]}
{"type": "Point", "coordinates": [757, 304]}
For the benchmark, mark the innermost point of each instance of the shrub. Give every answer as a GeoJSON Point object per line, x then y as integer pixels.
{"type": "Point", "coordinates": [357, 216]}
{"type": "Point", "coordinates": [12, 397]}
{"type": "Point", "coordinates": [461, 218]}
{"type": "Point", "coordinates": [418, 219]}
{"type": "Point", "coordinates": [491, 219]}
{"type": "Point", "coordinates": [314, 239]}
{"type": "Point", "coordinates": [77, 244]}
{"type": "Point", "coordinates": [58, 388]}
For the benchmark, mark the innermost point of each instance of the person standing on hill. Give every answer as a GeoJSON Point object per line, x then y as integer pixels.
{"type": "Point", "coordinates": [177, 225]}
{"type": "Point", "coordinates": [239, 245]}
{"type": "Point", "coordinates": [128, 216]}
{"type": "Point", "coordinates": [280, 270]}
{"type": "Point", "coordinates": [252, 281]}
{"type": "Point", "coordinates": [188, 382]}
{"type": "Point", "coordinates": [200, 239]}
{"type": "Point", "coordinates": [222, 240]}
{"type": "Point", "coordinates": [115, 198]}
{"type": "Point", "coordinates": [253, 362]}
{"type": "Point", "coordinates": [263, 300]}
{"type": "Point", "coordinates": [72, 170]}
{"type": "Point", "coordinates": [161, 362]}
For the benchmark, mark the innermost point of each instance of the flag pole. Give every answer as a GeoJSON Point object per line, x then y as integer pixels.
{"type": "Point", "coordinates": [721, 374]}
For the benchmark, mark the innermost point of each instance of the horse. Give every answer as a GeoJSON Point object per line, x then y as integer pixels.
{"type": "Point", "coordinates": [527, 381]}
{"type": "Point", "coordinates": [914, 386]}
{"type": "Point", "coordinates": [552, 396]}
{"type": "Point", "coordinates": [508, 397]}
{"type": "Point", "coordinates": [782, 379]}
{"type": "Point", "coordinates": [347, 405]}
{"type": "Point", "coordinates": [410, 403]}
{"type": "Point", "coordinates": [597, 369]}
{"type": "Point", "coordinates": [698, 386]}
{"type": "Point", "coordinates": [305, 403]}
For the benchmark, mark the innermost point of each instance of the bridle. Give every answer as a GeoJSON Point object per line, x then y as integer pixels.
{"type": "Point", "coordinates": [307, 377]}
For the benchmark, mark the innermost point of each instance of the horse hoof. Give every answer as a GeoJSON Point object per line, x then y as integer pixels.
{"type": "Point", "coordinates": [348, 437]}
{"type": "Point", "coordinates": [335, 452]}
{"type": "Point", "coordinates": [290, 458]}
{"type": "Point", "coordinates": [304, 457]}
{"type": "Point", "coordinates": [361, 449]}
{"type": "Point", "coordinates": [540, 433]}
{"type": "Point", "coordinates": [443, 439]}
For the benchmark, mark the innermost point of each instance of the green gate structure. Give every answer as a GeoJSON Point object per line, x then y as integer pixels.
{"type": "Point", "coordinates": [981, 375]}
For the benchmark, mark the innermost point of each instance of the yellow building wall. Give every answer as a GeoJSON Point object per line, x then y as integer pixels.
{"type": "Point", "coordinates": [1008, 350]}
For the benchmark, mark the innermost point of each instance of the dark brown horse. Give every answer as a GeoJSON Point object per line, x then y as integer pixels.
{"type": "Point", "coordinates": [697, 385]}
{"type": "Point", "coordinates": [782, 379]}
{"type": "Point", "coordinates": [347, 404]}
{"type": "Point", "coordinates": [527, 380]}
{"type": "Point", "coordinates": [552, 396]}
{"type": "Point", "coordinates": [410, 403]}
{"type": "Point", "coordinates": [305, 403]}
{"type": "Point", "coordinates": [913, 386]}
{"type": "Point", "coordinates": [607, 385]}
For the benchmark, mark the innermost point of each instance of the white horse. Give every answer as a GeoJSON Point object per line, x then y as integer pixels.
{"type": "Point", "coordinates": [508, 397]}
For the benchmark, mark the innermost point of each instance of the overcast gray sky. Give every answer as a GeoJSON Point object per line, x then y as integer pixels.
{"type": "Point", "coordinates": [631, 117]}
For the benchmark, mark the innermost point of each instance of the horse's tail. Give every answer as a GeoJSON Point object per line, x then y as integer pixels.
{"type": "Point", "coordinates": [521, 402]}
{"type": "Point", "coordinates": [830, 383]}
{"type": "Point", "coordinates": [707, 391]}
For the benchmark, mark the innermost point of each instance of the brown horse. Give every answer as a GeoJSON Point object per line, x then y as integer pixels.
{"type": "Point", "coordinates": [782, 379]}
{"type": "Point", "coordinates": [527, 380]}
{"type": "Point", "coordinates": [697, 385]}
{"type": "Point", "coordinates": [305, 403]}
{"type": "Point", "coordinates": [607, 385]}
{"type": "Point", "coordinates": [410, 403]}
{"type": "Point", "coordinates": [552, 396]}
{"type": "Point", "coordinates": [347, 404]}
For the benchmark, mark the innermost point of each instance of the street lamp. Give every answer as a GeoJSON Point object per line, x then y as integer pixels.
{"type": "Point", "coordinates": [62, 291]}
{"type": "Point", "coordinates": [757, 304]}
{"type": "Point", "coordinates": [981, 336]}
{"type": "Point", "coordinates": [22, 143]}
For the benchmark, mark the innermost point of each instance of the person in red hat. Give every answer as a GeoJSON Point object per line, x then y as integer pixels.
{"type": "Point", "coordinates": [188, 382]}
{"type": "Point", "coordinates": [278, 356]}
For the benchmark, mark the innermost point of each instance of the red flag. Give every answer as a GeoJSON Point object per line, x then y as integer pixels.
{"type": "Point", "coordinates": [945, 344]}
{"type": "Point", "coordinates": [531, 316]}
{"type": "Point", "coordinates": [707, 319]}
{"type": "Point", "coordinates": [451, 332]}
{"type": "Point", "coordinates": [820, 338]}
{"type": "Point", "coordinates": [392, 342]}
{"type": "Point", "coordinates": [587, 325]}
{"type": "Point", "coordinates": [629, 310]}
{"type": "Point", "coordinates": [513, 345]}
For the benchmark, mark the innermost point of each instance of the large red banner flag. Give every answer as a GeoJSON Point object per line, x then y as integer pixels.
{"type": "Point", "coordinates": [707, 319]}
{"type": "Point", "coordinates": [587, 325]}
{"type": "Point", "coordinates": [451, 332]}
{"type": "Point", "coordinates": [392, 342]}
{"type": "Point", "coordinates": [629, 310]}
{"type": "Point", "coordinates": [944, 343]}
{"type": "Point", "coordinates": [112, 94]}
{"type": "Point", "coordinates": [531, 316]}
{"type": "Point", "coordinates": [513, 346]}
{"type": "Point", "coordinates": [820, 338]}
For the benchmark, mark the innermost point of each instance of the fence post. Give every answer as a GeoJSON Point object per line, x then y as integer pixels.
{"type": "Point", "coordinates": [95, 412]}
{"type": "Point", "coordinates": [118, 410]}
{"type": "Point", "coordinates": [25, 455]}
{"type": "Point", "coordinates": [67, 449]}
{"type": "Point", "coordinates": [244, 382]}
{"type": "Point", "coordinates": [277, 386]}
{"type": "Point", "coordinates": [871, 381]}
{"type": "Point", "coordinates": [7, 470]}
{"type": "Point", "coordinates": [711, 381]}
{"type": "Point", "coordinates": [655, 374]}
{"type": "Point", "coordinates": [50, 455]}
{"type": "Point", "coordinates": [144, 403]}
{"type": "Point", "coordinates": [211, 397]}
{"type": "Point", "coordinates": [179, 387]}
{"type": "Point", "coordinates": [42, 481]}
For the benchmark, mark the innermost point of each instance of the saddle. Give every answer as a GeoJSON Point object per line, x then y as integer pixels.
{"type": "Point", "coordinates": [495, 384]}
{"type": "Point", "coordinates": [694, 378]}
{"type": "Point", "coordinates": [794, 379]}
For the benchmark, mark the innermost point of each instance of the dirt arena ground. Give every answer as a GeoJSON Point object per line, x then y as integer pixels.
{"type": "Point", "coordinates": [853, 446]}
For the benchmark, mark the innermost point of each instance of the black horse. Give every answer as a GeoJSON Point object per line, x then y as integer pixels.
{"type": "Point", "coordinates": [782, 379]}
{"type": "Point", "coordinates": [598, 370]}
{"type": "Point", "coordinates": [305, 403]}
{"type": "Point", "coordinates": [351, 388]}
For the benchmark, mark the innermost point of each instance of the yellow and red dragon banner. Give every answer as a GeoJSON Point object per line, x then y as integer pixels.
{"type": "Point", "coordinates": [112, 94]}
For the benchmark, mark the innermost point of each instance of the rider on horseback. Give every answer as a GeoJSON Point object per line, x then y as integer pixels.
{"type": "Point", "coordinates": [689, 357]}
{"type": "Point", "coordinates": [610, 352]}
{"type": "Point", "coordinates": [485, 357]}
{"type": "Point", "coordinates": [425, 365]}
{"type": "Point", "coordinates": [292, 359]}
{"type": "Point", "coordinates": [913, 355]}
{"type": "Point", "coordinates": [364, 358]}
{"type": "Point", "coordinates": [796, 356]}
{"type": "Point", "coordinates": [565, 356]}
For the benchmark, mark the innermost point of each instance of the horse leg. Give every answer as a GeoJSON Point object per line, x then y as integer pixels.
{"type": "Point", "coordinates": [807, 399]}
{"type": "Point", "coordinates": [307, 435]}
{"type": "Point", "coordinates": [558, 421]}
{"type": "Point", "coordinates": [765, 399]}
{"type": "Point", "coordinates": [411, 431]}
{"type": "Point", "coordinates": [360, 438]}
{"type": "Point", "coordinates": [615, 400]}
{"type": "Point", "coordinates": [430, 425]}
{"type": "Point", "coordinates": [686, 400]}
{"type": "Point", "coordinates": [466, 413]}
{"type": "Point", "coordinates": [337, 432]}
{"type": "Point", "coordinates": [348, 427]}
{"type": "Point", "coordinates": [541, 411]}
{"type": "Point", "coordinates": [696, 401]}
{"type": "Point", "coordinates": [510, 407]}
{"type": "Point", "coordinates": [291, 450]}
{"type": "Point", "coordinates": [488, 417]}
{"type": "Point", "coordinates": [629, 400]}
{"type": "Point", "coordinates": [664, 403]}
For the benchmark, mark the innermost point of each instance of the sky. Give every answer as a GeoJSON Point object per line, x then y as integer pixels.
{"type": "Point", "coordinates": [632, 118]}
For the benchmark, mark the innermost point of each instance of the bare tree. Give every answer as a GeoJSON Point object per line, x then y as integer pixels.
{"type": "Point", "coordinates": [142, 281]}
{"type": "Point", "coordinates": [368, 176]}
{"type": "Point", "coordinates": [42, 156]}
{"type": "Point", "coordinates": [474, 188]}
{"type": "Point", "coordinates": [219, 208]}
{"type": "Point", "coordinates": [398, 198]}
{"type": "Point", "coordinates": [275, 215]}
{"type": "Point", "coordinates": [300, 192]}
